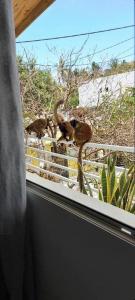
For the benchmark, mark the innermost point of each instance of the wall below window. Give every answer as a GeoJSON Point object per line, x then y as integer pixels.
{"type": "Point", "coordinates": [74, 259]}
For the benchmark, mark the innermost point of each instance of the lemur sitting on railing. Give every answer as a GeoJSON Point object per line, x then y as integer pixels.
{"type": "Point", "coordinates": [79, 132]}
{"type": "Point", "coordinates": [38, 126]}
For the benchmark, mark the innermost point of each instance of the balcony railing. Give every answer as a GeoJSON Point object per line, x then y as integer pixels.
{"type": "Point", "coordinates": [43, 164]}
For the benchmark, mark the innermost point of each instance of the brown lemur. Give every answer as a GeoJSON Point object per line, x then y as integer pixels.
{"type": "Point", "coordinates": [79, 132]}
{"type": "Point", "coordinates": [38, 126]}
{"type": "Point", "coordinates": [65, 127]}
{"type": "Point", "coordinates": [82, 135]}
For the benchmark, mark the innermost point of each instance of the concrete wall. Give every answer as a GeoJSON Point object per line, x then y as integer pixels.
{"type": "Point", "coordinates": [93, 91]}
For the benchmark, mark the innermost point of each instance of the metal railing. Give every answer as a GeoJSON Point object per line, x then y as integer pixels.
{"type": "Point", "coordinates": [44, 163]}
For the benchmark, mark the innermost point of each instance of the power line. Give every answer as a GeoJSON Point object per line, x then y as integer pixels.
{"type": "Point", "coordinates": [104, 49]}
{"type": "Point", "coordinates": [78, 65]}
{"type": "Point", "coordinates": [124, 51]}
{"type": "Point", "coordinates": [100, 62]}
{"type": "Point", "coordinates": [74, 35]}
{"type": "Point", "coordinates": [99, 51]}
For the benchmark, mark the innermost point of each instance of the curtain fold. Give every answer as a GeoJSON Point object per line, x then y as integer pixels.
{"type": "Point", "coordinates": [12, 174]}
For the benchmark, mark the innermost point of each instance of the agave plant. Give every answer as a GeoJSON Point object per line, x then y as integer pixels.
{"type": "Point", "coordinates": [119, 191]}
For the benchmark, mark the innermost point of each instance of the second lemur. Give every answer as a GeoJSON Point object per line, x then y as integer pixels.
{"type": "Point", "coordinates": [65, 127]}
{"type": "Point", "coordinates": [82, 135]}
{"type": "Point", "coordinates": [38, 126]}
{"type": "Point", "coordinates": [79, 132]}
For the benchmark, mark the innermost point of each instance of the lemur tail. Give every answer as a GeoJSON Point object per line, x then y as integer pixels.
{"type": "Point", "coordinates": [58, 103]}
{"type": "Point", "coordinates": [80, 172]}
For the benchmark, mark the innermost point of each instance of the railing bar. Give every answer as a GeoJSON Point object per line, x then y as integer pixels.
{"type": "Point", "coordinates": [56, 175]}
{"type": "Point", "coordinates": [51, 153]}
{"type": "Point", "coordinates": [88, 162]}
{"type": "Point", "coordinates": [100, 165]}
{"type": "Point", "coordinates": [98, 146]}
{"type": "Point", "coordinates": [110, 147]}
{"type": "Point", "coordinates": [59, 176]}
{"type": "Point", "coordinates": [51, 173]}
{"type": "Point", "coordinates": [52, 163]}
{"type": "Point", "coordinates": [90, 175]}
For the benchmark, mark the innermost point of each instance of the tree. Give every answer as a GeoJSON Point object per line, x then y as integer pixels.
{"type": "Point", "coordinates": [114, 63]}
{"type": "Point", "coordinates": [38, 87]}
{"type": "Point", "coordinates": [95, 66]}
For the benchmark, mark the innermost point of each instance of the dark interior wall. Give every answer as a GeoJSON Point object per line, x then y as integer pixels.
{"type": "Point", "coordinates": [76, 260]}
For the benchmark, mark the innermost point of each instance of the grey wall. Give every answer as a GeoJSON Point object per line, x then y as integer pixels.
{"type": "Point", "coordinates": [74, 259]}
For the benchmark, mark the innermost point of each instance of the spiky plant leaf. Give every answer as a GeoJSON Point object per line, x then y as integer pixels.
{"type": "Point", "coordinates": [132, 210]}
{"type": "Point", "coordinates": [113, 184]}
{"type": "Point", "coordinates": [116, 196]}
{"type": "Point", "coordinates": [122, 181]}
{"type": "Point", "coordinates": [131, 194]}
{"type": "Point", "coordinates": [104, 184]}
{"type": "Point", "coordinates": [108, 189]}
{"type": "Point", "coordinates": [124, 193]}
{"type": "Point", "coordinates": [100, 195]}
{"type": "Point", "coordinates": [113, 162]}
{"type": "Point", "coordinates": [131, 170]}
{"type": "Point", "coordinates": [108, 165]}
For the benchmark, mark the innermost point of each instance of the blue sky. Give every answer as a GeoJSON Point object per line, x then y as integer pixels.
{"type": "Point", "coordinates": [77, 16]}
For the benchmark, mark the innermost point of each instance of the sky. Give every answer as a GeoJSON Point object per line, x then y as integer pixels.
{"type": "Point", "coordinates": [77, 16]}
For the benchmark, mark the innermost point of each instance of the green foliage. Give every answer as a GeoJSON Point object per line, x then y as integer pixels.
{"type": "Point", "coordinates": [74, 99]}
{"type": "Point", "coordinates": [43, 87]}
{"type": "Point", "coordinates": [116, 67]}
{"type": "Point", "coordinates": [38, 87]}
{"type": "Point", "coordinates": [118, 191]}
{"type": "Point", "coordinates": [114, 63]}
{"type": "Point", "coordinates": [122, 108]}
{"type": "Point", "coordinates": [95, 66]}
{"type": "Point", "coordinates": [116, 119]}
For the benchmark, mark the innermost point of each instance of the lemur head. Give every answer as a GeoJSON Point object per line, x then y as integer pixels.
{"type": "Point", "coordinates": [74, 123]}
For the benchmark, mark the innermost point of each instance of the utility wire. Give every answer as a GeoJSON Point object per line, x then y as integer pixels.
{"type": "Point", "coordinates": [74, 35]}
{"type": "Point", "coordinates": [100, 62]}
{"type": "Point", "coordinates": [102, 50]}
{"type": "Point", "coordinates": [107, 48]}
{"type": "Point", "coordinates": [124, 51]}
{"type": "Point", "coordinates": [78, 65]}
